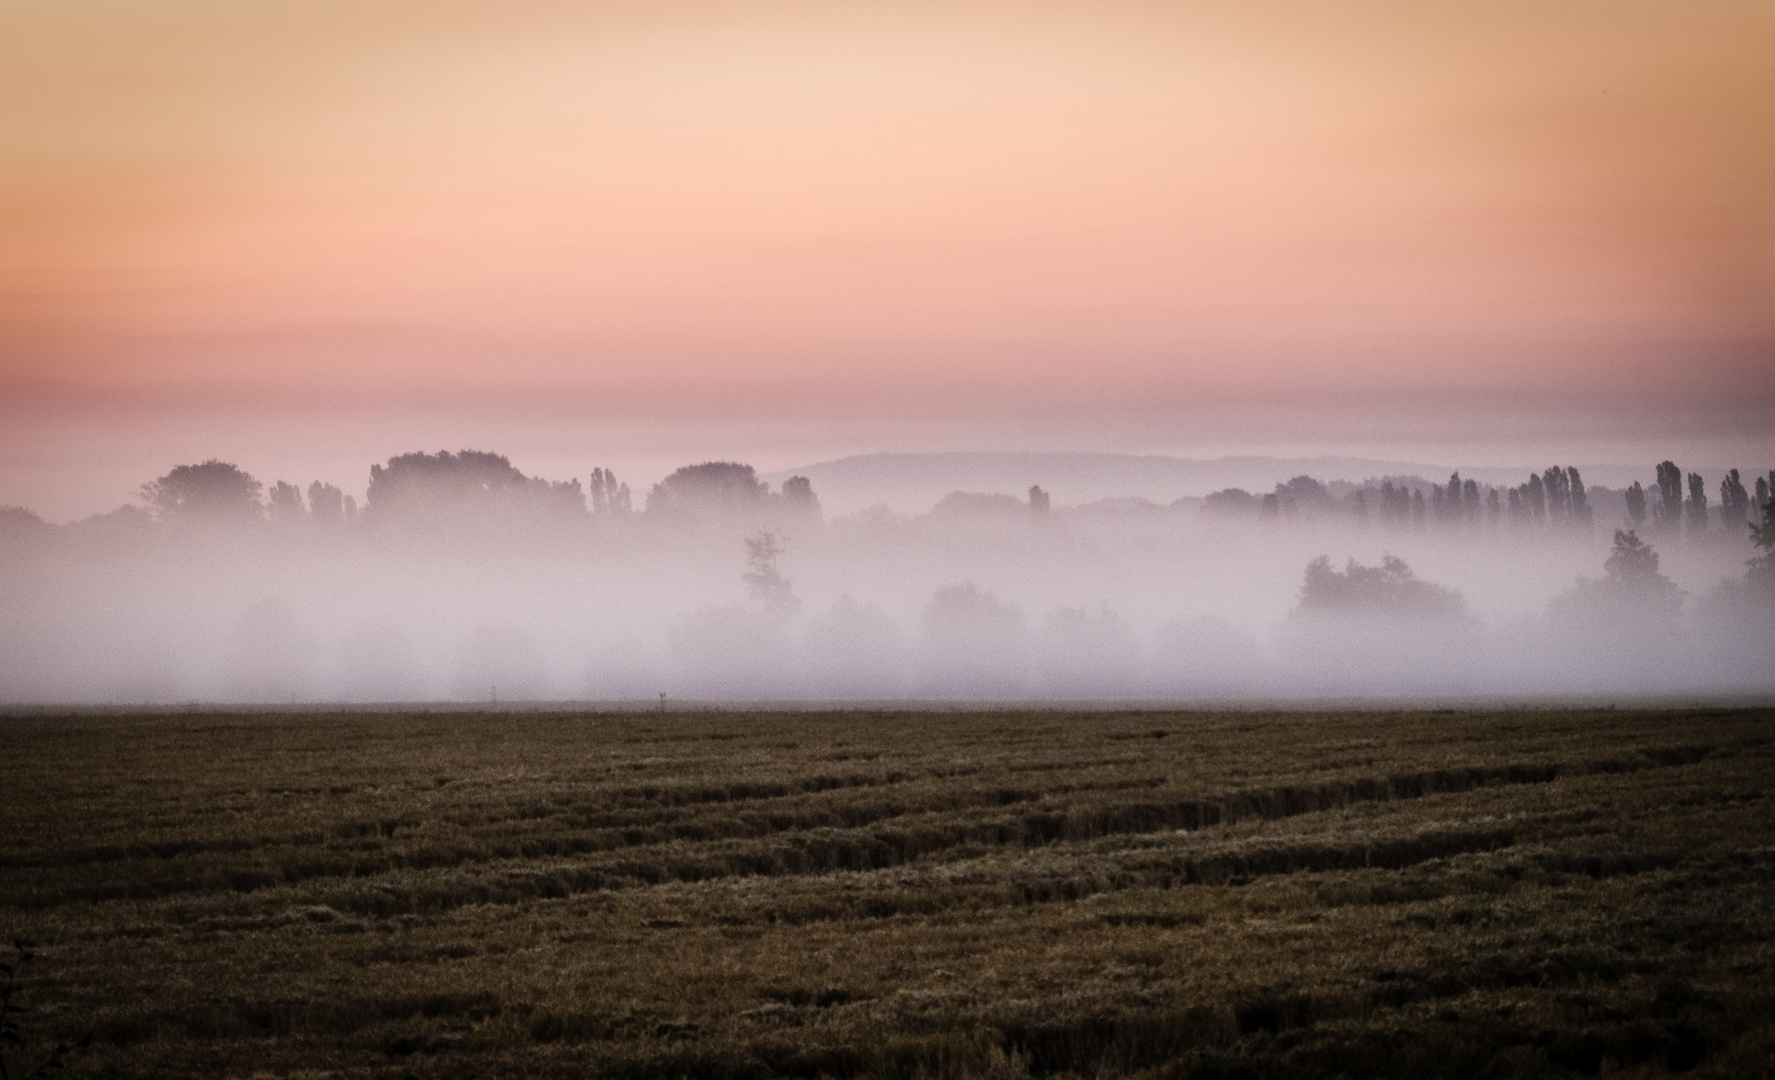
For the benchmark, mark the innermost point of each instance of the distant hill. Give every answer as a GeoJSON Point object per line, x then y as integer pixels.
{"type": "Point", "coordinates": [915, 482]}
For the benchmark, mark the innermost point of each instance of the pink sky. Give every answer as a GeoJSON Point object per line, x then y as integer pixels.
{"type": "Point", "coordinates": [308, 236]}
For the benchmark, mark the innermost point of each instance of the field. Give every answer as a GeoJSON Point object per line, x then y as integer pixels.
{"type": "Point", "coordinates": [896, 894]}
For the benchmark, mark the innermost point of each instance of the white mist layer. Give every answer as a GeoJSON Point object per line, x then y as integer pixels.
{"type": "Point", "coordinates": [1082, 604]}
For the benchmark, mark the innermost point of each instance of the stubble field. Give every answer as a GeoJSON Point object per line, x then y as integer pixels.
{"type": "Point", "coordinates": [895, 894]}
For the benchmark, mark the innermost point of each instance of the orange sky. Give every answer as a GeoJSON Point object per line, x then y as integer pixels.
{"type": "Point", "coordinates": [649, 232]}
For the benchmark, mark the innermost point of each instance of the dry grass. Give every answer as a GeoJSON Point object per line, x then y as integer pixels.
{"type": "Point", "coordinates": [897, 894]}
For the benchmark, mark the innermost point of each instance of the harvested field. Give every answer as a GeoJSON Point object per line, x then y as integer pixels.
{"type": "Point", "coordinates": [895, 894]}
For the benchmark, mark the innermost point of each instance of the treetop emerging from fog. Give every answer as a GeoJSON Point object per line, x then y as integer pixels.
{"type": "Point", "coordinates": [1389, 590]}
{"type": "Point", "coordinates": [728, 490]}
{"type": "Point", "coordinates": [213, 490]}
{"type": "Point", "coordinates": [469, 483]}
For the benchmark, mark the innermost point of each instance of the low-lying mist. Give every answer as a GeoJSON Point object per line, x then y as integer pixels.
{"type": "Point", "coordinates": [463, 580]}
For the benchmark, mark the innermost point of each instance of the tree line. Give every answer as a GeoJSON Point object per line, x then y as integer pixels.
{"type": "Point", "coordinates": [448, 488]}
{"type": "Point", "coordinates": [1555, 498]}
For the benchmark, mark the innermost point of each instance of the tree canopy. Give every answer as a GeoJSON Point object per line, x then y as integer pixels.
{"type": "Point", "coordinates": [714, 487]}
{"type": "Point", "coordinates": [1389, 590]}
{"type": "Point", "coordinates": [210, 491]}
{"type": "Point", "coordinates": [467, 484]}
{"type": "Point", "coordinates": [1631, 593]}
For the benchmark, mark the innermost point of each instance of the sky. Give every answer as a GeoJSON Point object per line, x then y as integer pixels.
{"type": "Point", "coordinates": [308, 236]}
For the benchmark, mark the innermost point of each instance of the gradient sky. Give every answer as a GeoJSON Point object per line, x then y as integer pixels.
{"type": "Point", "coordinates": [305, 236]}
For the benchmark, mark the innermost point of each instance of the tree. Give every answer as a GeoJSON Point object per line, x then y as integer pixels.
{"type": "Point", "coordinates": [1534, 495]}
{"type": "Point", "coordinates": [1302, 493]}
{"type": "Point", "coordinates": [714, 488]}
{"type": "Point", "coordinates": [1631, 593]}
{"type": "Point", "coordinates": [769, 587]}
{"type": "Point", "coordinates": [1734, 502]}
{"type": "Point", "coordinates": [1445, 503]}
{"type": "Point", "coordinates": [1228, 502]}
{"type": "Point", "coordinates": [608, 496]}
{"type": "Point", "coordinates": [212, 491]}
{"type": "Point", "coordinates": [1579, 499]}
{"type": "Point", "coordinates": [1667, 512]}
{"type": "Point", "coordinates": [1039, 503]}
{"type": "Point", "coordinates": [1762, 534]}
{"type": "Point", "coordinates": [1632, 562]}
{"type": "Point", "coordinates": [798, 496]}
{"type": "Point", "coordinates": [286, 503]}
{"type": "Point", "coordinates": [1395, 503]}
{"type": "Point", "coordinates": [1636, 503]}
{"type": "Point", "coordinates": [1697, 506]}
{"type": "Point", "coordinates": [1389, 590]}
{"type": "Point", "coordinates": [1553, 482]}
{"type": "Point", "coordinates": [327, 505]}
{"type": "Point", "coordinates": [1375, 628]}
{"type": "Point", "coordinates": [16, 520]}
{"type": "Point", "coordinates": [470, 485]}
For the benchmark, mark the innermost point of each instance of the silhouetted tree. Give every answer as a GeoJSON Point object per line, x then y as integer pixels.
{"type": "Point", "coordinates": [596, 496]}
{"type": "Point", "coordinates": [1636, 503]}
{"type": "Point", "coordinates": [1228, 502]}
{"type": "Point", "coordinates": [1470, 499]}
{"type": "Point", "coordinates": [1494, 510]}
{"type": "Point", "coordinates": [1736, 619]}
{"type": "Point", "coordinates": [1389, 590]}
{"type": "Point", "coordinates": [1558, 495]}
{"type": "Point", "coordinates": [725, 489]}
{"type": "Point", "coordinates": [1534, 496]}
{"type": "Point", "coordinates": [1395, 504]}
{"type": "Point", "coordinates": [1734, 502]}
{"type": "Point", "coordinates": [1697, 506]}
{"type": "Point", "coordinates": [1359, 507]}
{"type": "Point", "coordinates": [1302, 493]}
{"type": "Point", "coordinates": [1762, 534]}
{"type": "Point", "coordinates": [1667, 513]}
{"type": "Point", "coordinates": [1631, 590]}
{"type": "Point", "coordinates": [326, 504]}
{"type": "Point", "coordinates": [211, 491]}
{"type": "Point", "coordinates": [1369, 628]}
{"type": "Point", "coordinates": [607, 496]}
{"type": "Point", "coordinates": [1039, 502]}
{"type": "Point", "coordinates": [1417, 509]}
{"type": "Point", "coordinates": [768, 585]}
{"type": "Point", "coordinates": [1763, 489]}
{"type": "Point", "coordinates": [800, 500]}
{"type": "Point", "coordinates": [1445, 503]}
{"type": "Point", "coordinates": [471, 485]}
{"type": "Point", "coordinates": [1578, 500]}
{"type": "Point", "coordinates": [286, 503]}
{"type": "Point", "coordinates": [16, 520]}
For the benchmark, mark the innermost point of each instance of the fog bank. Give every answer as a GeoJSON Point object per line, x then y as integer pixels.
{"type": "Point", "coordinates": [462, 580]}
